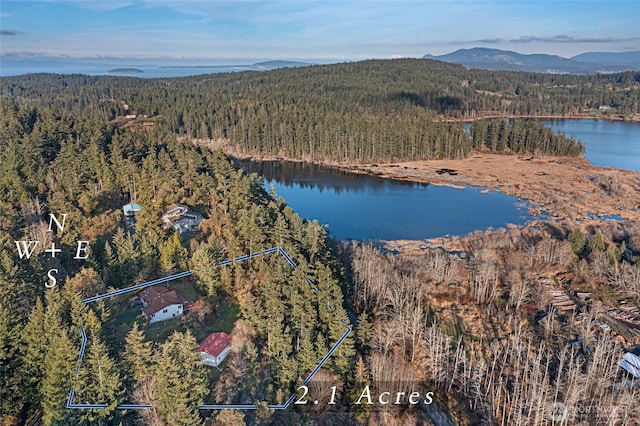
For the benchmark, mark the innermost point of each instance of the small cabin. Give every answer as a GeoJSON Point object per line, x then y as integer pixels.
{"type": "Point", "coordinates": [130, 209]}
{"type": "Point", "coordinates": [215, 348]}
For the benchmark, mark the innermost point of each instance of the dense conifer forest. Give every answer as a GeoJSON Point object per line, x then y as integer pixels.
{"type": "Point", "coordinates": [353, 112]}
{"type": "Point", "coordinates": [53, 162]}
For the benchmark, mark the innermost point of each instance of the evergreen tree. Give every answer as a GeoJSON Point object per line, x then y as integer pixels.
{"type": "Point", "coordinates": [137, 355]}
{"type": "Point", "coordinates": [99, 382]}
{"type": "Point", "coordinates": [172, 254]}
{"type": "Point", "coordinates": [127, 256]}
{"type": "Point", "coordinates": [11, 374]}
{"type": "Point", "coordinates": [577, 240]}
{"type": "Point", "coordinates": [361, 380]}
{"type": "Point", "coordinates": [307, 358]}
{"type": "Point", "coordinates": [204, 266]}
{"type": "Point", "coordinates": [34, 346]}
{"type": "Point", "coordinates": [229, 418]}
{"type": "Point", "coordinates": [58, 377]}
{"type": "Point", "coordinates": [181, 380]}
{"type": "Point", "coordinates": [596, 242]}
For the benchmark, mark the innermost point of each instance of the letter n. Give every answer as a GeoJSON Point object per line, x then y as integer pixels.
{"type": "Point", "coordinates": [53, 218]}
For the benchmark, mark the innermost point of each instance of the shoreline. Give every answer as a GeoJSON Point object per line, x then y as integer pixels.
{"type": "Point", "coordinates": [526, 177]}
{"type": "Point", "coordinates": [566, 188]}
{"type": "Point", "coordinates": [586, 116]}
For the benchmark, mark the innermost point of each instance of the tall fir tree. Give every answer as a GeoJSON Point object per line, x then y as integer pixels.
{"type": "Point", "coordinates": [137, 356]}
{"type": "Point", "coordinates": [33, 348]}
{"type": "Point", "coordinates": [59, 375]}
{"type": "Point", "coordinates": [173, 255]}
{"type": "Point", "coordinates": [181, 380]}
{"type": "Point", "coordinates": [11, 387]}
{"type": "Point", "coordinates": [99, 382]}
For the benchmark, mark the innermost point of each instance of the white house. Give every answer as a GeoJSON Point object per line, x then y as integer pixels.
{"type": "Point", "coordinates": [181, 218]}
{"type": "Point", "coordinates": [215, 348]}
{"type": "Point", "coordinates": [160, 304]}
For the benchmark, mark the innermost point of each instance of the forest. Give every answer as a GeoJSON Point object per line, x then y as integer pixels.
{"type": "Point", "coordinates": [57, 163]}
{"type": "Point", "coordinates": [476, 325]}
{"type": "Point", "coordinates": [379, 110]}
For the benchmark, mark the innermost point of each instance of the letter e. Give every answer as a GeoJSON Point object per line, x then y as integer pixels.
{"type": "Point", "coordinates": [82, 247]}
{"type": "Point", "coordinates": [412, 397]}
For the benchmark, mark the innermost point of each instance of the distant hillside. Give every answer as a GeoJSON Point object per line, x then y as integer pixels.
{"type": "Point", "coordinates": [376, 110]}
{"type": "Point", "coordinates": [271, 65]}
{"type": "Point", "coordinates": [630, 58]}
{"type": "Point", "coordinates": [505, 60]}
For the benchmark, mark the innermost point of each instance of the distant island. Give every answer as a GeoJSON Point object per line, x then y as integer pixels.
{"type": "Point", "coordinates": [125, 71]}
{"type": "Point", "coordinates": [281, 64]}
{"type": "Point", "coordinates": [261, 66]}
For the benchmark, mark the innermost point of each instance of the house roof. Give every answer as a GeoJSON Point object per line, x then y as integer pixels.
{"type": "Point", "coordinates": [130, 208]}
{"type": "Point", "coordinates": [175, 211]}
{"type": "Point", "coordinates": [215, 343]}
{"type": "Point", "coordinates": [158, 298]}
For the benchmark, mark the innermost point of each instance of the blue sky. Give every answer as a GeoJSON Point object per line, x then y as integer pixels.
{"type": "Point", "coordinates": [331, 30]}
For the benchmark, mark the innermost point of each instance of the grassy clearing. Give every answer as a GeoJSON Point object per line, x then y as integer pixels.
{"type": "Point", "coordinates": [224, 319]}
{"type": "Point", "coordinates": [159, 331]}
{"type": "Point", "coordinates": [188, 289]}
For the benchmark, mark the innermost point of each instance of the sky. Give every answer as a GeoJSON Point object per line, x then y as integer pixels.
{"type": "Point", "coordinates": [316, 30]}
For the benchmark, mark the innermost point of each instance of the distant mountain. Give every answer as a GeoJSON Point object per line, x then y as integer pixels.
{"type": "Point", "coordinates": [505, 60]}
{"type": "Point", "coordinates": [631, 58]}
{"type": "Point", "coordinates": [271, 65]}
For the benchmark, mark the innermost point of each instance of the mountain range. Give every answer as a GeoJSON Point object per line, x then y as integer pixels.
{"type": "Point", "coordinates": [505, 60]}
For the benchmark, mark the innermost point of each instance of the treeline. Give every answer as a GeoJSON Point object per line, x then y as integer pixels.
{"type": "Point", "coordinates": [521, 137]}
{"type": "Point", "coordinates": [53, 162]}
{"type": "Point", "coordinates": [356, 112]}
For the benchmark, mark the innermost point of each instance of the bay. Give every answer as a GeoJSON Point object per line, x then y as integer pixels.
{"type": "Point", "coordinates": [608, 143]}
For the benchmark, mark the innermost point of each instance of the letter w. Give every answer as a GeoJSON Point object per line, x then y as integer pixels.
{"type": "Point", "coordinates": [26, 248]}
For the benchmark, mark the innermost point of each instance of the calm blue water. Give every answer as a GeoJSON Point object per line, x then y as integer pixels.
{"type": "Point", "coordinates": [608, 143]}
{"type": "Point", "coordinates": [151, 68]}
{"type": "Point", "coordinates": [368, 208]}
{"type": "Point", "coordinates": [149, 71]}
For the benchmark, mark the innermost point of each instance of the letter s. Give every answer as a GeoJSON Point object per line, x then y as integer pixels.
{"type": "Point", "coordinates": [53, 279]}
{"type": "Point", "coordinates": [428, 400]}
